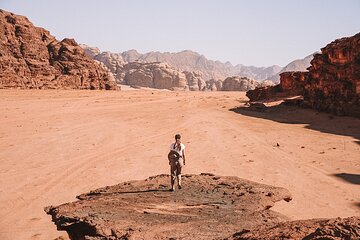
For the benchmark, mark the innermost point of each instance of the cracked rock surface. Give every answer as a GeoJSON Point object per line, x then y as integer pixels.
{"type": "Point", "coordinates": [207, 207]}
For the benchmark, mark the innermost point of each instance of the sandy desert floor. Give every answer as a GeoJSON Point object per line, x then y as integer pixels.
{"type": "Point", "coordinates": [55, 145]}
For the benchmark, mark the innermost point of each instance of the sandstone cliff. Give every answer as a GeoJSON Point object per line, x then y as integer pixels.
{"type": "Point", "coordinates": [154, 75]}
{"type": "Point", "coordinates": [239, 84]}
{"type": "Point", "coordinates": [334, 78]}
{"type": "Point", "coordinates": [195, 81]}
{"type": "Point", "coordinates": [332, 83]}
{"type": "Point", "coordinates": [297, 65]}
{"type": "Point", "coordinates": [30, 57]}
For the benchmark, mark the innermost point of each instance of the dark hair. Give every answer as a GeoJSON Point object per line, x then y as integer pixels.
{"type": "Point", "coordinates": [177, 136]}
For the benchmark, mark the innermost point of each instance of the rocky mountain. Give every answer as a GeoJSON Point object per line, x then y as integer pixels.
{"type": "Point", "coordinates": [194, 62]}
{"type": "Point", "coordinates": [30, 57]}
{"type": "Point", "coordinates": [296, 65]}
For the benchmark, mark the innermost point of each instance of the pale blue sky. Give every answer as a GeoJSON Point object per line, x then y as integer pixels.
{"type": "Point", "coordinates": [253, 32]}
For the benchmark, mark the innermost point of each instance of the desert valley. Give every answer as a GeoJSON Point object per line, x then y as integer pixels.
{"type": "Point", "coordinates": [272, 152]}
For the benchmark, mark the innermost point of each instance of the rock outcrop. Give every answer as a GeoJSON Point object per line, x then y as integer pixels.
{"type": "Point", "coordinates": [236, 83]}
{"type": "Point", "coordinates": [195, 81]}
{"type": "Point", "coordinates": [332, 83]}
{"type": "Point", "coordinates": [30, 57]}
{"type": "Point", "coordinates": [114, 63]}
{"type": "Point", "coordinates": [154, 75]}
{"type": "Point", "coordinates": [208, 207]}
{"type": "Point", "coordinates": [214, 85]}
{"type": "Point", "coordinates": [90, 51]}
{"type": "Point", "coordinates": [291, 84]}
{"type": "Point", "coordinates": [334, 79]}
{"type": "Point", "coordinates": [298, 65]}
{"type": "Point", "coordinates": [334, 229]}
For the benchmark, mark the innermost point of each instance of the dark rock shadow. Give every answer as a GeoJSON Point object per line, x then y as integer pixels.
{"type": "Point", "coordinates": [95, 194]}
{"type": "Point", "coordinates": [351, 178]}
{"type": "Point", "coordinates": [320, 121]}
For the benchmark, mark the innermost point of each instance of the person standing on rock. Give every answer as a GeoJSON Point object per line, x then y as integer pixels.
{"type": "Point", "coordinates": [176, 158]}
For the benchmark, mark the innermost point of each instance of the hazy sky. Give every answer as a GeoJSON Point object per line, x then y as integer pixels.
{"type": "Point", "coordinates": [253, 32]}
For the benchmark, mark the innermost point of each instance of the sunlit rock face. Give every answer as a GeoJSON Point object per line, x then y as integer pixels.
{"type": "Point", "coordinates": [30, 57]}
{"type": "Point", "coordinates": [332, 83]}
{"type": "Point", "coordinates": [334, 79]}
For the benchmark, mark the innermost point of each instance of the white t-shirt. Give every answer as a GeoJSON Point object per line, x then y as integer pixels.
{"type": "Point", "coordinates": [182, 147]}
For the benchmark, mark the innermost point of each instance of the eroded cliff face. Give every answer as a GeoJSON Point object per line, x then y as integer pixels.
{"type": "Point", "coordinates": [332, 83]}
{"type": "Point", "coordinates": [291, 84]}
{"type": "Point", "coordinates": [334, 78]}
{"type": "Point", "coordinates": [154, 75]}
{"type": "Point", "coordinates": [30, 57]}
{"type": "Point", "coordinates": [236, 83]}
{"type": "Point", "coordinates": [195, 81]}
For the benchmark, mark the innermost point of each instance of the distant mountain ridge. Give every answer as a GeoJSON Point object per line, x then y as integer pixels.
{"type": "Point", "coordinates": [188, 60]}
{"type": "Point", "coordinates": [191, 61]}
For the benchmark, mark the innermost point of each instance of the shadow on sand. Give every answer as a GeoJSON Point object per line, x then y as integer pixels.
{"type": "Point", "coordinates": [323, 122]}
{"type": "Point", "coordinates": [351, 178]}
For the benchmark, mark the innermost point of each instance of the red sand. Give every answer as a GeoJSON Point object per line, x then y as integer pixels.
{"type": "Point", "coordinates": [58, 144]}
